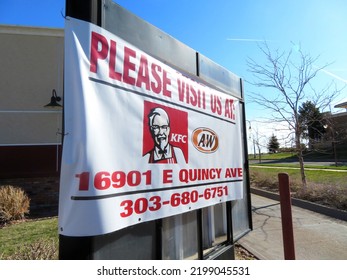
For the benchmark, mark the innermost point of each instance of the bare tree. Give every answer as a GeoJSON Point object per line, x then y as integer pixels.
{"type": "Point", "coordinates": [287, 76]}
{"type": "Point", "coordinates": [257, 142]}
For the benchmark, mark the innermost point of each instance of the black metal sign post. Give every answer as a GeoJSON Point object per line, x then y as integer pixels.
{"type": "Point", "coordinates": [79, 248]}
{"type": "Point", "coordinates": [87, 10]}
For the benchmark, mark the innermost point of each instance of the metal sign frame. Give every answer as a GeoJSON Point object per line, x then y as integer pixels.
{"type": "Point", "coordinates": [150, 237]}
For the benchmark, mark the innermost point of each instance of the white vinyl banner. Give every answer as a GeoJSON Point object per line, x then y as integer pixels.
{"type": "Point", "coordinates": [142, 140]}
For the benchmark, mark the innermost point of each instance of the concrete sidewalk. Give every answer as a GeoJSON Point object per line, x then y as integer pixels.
{"type": "Point", "coordinates": [316, 236]}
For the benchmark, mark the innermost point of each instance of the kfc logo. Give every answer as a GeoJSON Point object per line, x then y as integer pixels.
{"type": "Point", "coordinates": [165, 132]}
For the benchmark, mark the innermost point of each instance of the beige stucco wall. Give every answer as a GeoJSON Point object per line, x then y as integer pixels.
{"type": "Point", "coordinates": [31, 66]}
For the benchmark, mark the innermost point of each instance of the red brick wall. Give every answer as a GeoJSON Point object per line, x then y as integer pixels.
{"type": "Point", "coordinates": [30, 161]}
{"type": "Point", "coordinates": [42, 191]}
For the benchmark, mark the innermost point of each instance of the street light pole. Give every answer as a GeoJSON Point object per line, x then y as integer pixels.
{"type": "Point", "coordinates": [333, 142]}
{"type": "Point", "coordinates": [250, 130]}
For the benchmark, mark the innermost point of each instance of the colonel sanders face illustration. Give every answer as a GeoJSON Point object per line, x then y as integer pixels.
{"type": "Point", "coordinates": [163, 151]}
{"type": "Point", "coordinates": [159, 124]}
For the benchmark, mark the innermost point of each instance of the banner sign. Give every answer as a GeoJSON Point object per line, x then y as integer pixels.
{"type": "Point", "coordinates": [142, 140]}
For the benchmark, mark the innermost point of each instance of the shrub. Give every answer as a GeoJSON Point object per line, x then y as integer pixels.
{"type": "Point", "coordinates": [325, 194]}
{"type": "Point", "coordinates": [262, 181]}
{"type": "Point", "coordinates": [270, 183]}
{"type": "Point", "coordinates": [40, 250]}
{"type": "Point", "coordinates": [332, 196]}
{"type": "Point", "coordinates": [14, 203]}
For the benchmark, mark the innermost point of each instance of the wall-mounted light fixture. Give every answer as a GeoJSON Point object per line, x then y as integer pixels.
{"type": "Point", "coordinates": [54, 101]}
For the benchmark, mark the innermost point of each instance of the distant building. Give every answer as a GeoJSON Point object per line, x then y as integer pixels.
{"type": "Point", "coordinates": [337, 127]}
{"type": "Point", "coordinates": [343, 104]}
{"type": "Point", "coordinates": [335, 138]}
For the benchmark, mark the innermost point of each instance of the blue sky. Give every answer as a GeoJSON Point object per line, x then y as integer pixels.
{"type": "Point", "coordinates": [228, 32]}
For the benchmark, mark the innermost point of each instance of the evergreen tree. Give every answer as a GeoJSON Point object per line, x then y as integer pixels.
{"type": "Point", "coordinates": [273, 145]}
{"type": "Point", "coordinates": [311, 120]}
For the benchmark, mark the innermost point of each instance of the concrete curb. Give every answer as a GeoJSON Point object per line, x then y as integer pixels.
{"type": "Point", "coordinates": [334, 213]}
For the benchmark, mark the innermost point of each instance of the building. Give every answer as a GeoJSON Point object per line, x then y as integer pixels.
{"type": "Point", "coordinates": [343, 104]}
{"type": "Point", "coordinates": [336, 129]}
{"type": "Point", "coordinates": [30, 139]}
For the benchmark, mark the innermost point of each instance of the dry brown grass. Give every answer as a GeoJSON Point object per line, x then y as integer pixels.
{"type": "Point", "coordinates": [14, 203]}
{"type": "Point", "coordinates": [40, 250]}
{"type": "Point", "coordinates": [331, 195]}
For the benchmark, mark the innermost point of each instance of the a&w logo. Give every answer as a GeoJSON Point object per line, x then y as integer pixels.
{"type": "Point", "coordinates": [205, 140]}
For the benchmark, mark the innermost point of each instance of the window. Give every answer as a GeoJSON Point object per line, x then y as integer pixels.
{"type": "Point", "coordinates": [185, 235]}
